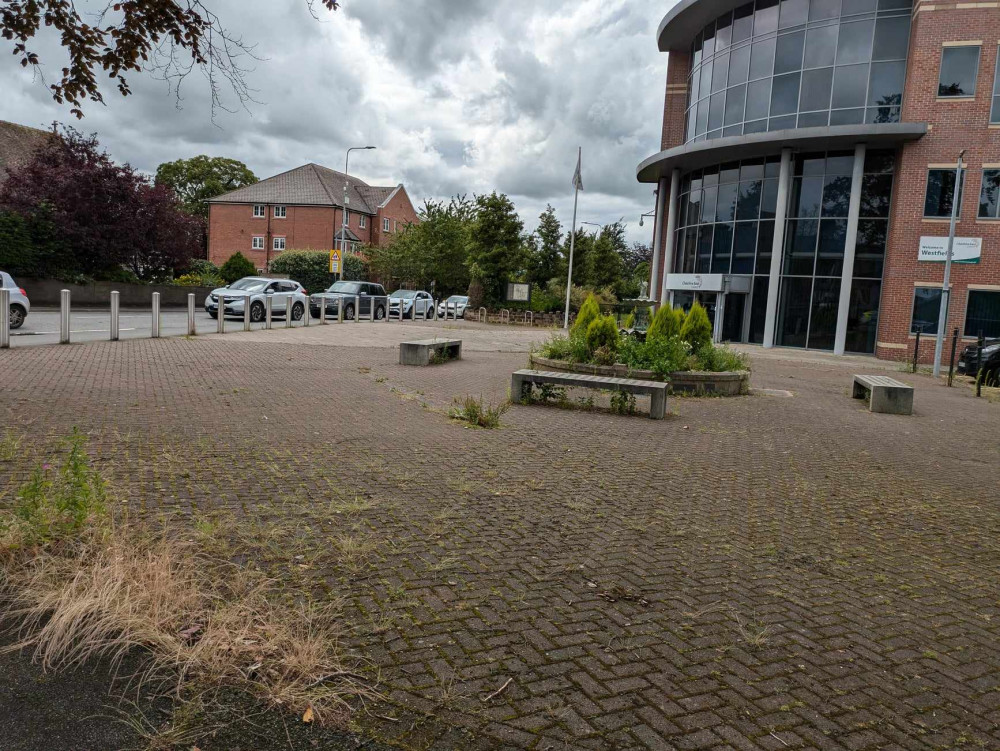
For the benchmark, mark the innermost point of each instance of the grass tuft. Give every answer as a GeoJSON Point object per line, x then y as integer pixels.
{"type": "Point", "coordinates": [477, 413]}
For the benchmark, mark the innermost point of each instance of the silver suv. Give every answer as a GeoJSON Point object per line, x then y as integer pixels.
{"type": "Point", "coordinates": [19, 305]}
{"type": "Point", "coordinates": [284, 292]}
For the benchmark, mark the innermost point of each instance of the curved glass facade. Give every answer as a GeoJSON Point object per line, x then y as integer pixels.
{"type": "Point", "coordinates": [771, 65]}
{"type": "Point", "coordinates": [726, 216]}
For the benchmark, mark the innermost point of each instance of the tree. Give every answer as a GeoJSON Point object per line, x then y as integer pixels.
{"type": "Point", "coordinates": [236, 267]}
{"type": "Point", "coordinates": [604, 262]}
{"type": "Point", "coordinates": [495, 244]}
{"type": "Point", "coordinates": [546, 261]}
{"type": "Point", "coordinates": [200, 178]}
{"type": "Point", "coordinates": [92, 217]}
{"type": "Point", "coordinates": [169, 38]}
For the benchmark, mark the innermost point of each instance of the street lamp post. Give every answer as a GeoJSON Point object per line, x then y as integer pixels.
{"type": "Point", "coordinates": [643, 216]}
{"type": "Point", "coordinates": [343, 213]}
{"type": "Point", "coordinates": [945, 290]}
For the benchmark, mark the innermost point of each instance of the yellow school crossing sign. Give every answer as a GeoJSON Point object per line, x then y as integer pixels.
{"type": "Point", "coordinates": [334, 261]}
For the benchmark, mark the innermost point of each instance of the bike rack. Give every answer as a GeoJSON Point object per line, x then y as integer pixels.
{"type": "Point", "coordinates": [482, 316]}
{"type": "Point", "coordinates": [505, 316]}
{"type": "Point", "coordinates": [529, 318]}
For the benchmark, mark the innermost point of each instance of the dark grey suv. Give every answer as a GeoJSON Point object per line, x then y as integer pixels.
{"type": "Point", "coordinates": [369, 295]}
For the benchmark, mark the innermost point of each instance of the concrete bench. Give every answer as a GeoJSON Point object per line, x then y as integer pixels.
{"type": "Point", "coordinates": [886, 395]}
{"type": "Point", "coordinates": [657, 390]}
{"type": "Point", "coordinates": [424, 351]}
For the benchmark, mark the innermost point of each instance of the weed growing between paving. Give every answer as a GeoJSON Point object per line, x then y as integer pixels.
{"type": "Point", "coordinates": [477, 413]}
{"type": "Point", "coordinates": [78, 584]}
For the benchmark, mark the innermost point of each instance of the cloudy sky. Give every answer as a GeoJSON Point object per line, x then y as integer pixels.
{"type": "Point", "coordinates": [459, 96]}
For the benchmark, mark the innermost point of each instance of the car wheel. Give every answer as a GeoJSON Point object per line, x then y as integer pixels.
{"type": "Point", "coordinates": [257, 312]}
{"type": "Point", "coordinates": [17, 316]}
{"type": "Point", "coordinates": [298, 310]}
{"type": "Point", "coordinates": [213, 315]}
{"type": "Point", "coordinates": [348, 312]}
{"type": "Point", "coordinates": [379, 313]}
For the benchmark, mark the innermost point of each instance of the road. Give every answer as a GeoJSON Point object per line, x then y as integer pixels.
{"type": "Point", "coordinates": [87, 325]}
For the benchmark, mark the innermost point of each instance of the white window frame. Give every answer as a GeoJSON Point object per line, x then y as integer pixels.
{"type": "Point", "coordinates": [259, 211]}
{"type": "Point", "coordinates": [362, 221]}
{"type": "Point", "coordinates": [385, 225]}
{"type": "Point", "coordinates": [257, 243]}
{"type": "Point", "coordinates": [278, 244]}
{"type": "Point", "coordinates": [280, 212]}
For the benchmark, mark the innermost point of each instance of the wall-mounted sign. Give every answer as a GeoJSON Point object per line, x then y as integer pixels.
{"type": "Point", "coordinates": [518, 292]}
{"type": "Point", "coordinates": [964, 250]}
{"type": "Point", "coordinates": [708, 283]}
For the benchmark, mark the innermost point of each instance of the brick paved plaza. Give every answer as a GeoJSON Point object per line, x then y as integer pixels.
{"type": "Point", "coordinates": [763, 572]}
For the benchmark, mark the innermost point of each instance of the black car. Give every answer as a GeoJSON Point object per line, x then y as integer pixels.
{"type": "Point", "coordinates": [368, 295]}
{"type": "Point", "coordinates": [968, 363]}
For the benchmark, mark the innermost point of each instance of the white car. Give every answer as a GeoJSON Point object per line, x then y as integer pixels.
{"type": "Point", "coordinates": [19, 305]}
{"type": "Point", "coordinates": [284, 292]}
{"type": "Point", "coordinates": [416, 305]}
{"type": "Point", "coordinates": [455, 306]}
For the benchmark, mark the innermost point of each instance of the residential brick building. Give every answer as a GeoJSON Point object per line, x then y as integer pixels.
{"type": "Point", "coordinates": [825, 135]}
{"type": "Point", "coordinates": [302, 209]}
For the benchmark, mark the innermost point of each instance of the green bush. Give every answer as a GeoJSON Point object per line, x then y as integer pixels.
{"type": "Point", "coordinates": [589, 312]}
{"type": "Point", "coordinates": [237, 267]}
{"type": "Point", "coordinates": [629, 321]}
{"type": "Point", "coordinates": [721, 359]}
{"type": "Point", "coordinates": [697, 330]}
{"type": "Point", "coordinates": [199, 280]}
{"type": "Point", "coordinates": [602, 334]}
{"type": "Point", "coordinates": [310, 268]}
{"type": "Point", "coordinates": [666, 323]}
{"type": "Point", "coordinates": [477, 413]}
{"type": "Point", "coordinates": [202, 267]}
{"type": "Point", "coordinates": [662, 355]}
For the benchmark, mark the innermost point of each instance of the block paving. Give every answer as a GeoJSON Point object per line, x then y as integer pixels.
{"type": "Point", "coordinates": [777, 571]}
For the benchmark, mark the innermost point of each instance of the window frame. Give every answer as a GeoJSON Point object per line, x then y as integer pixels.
{"type": "Point", "coordinates": [280, 212]}
{"type": "Point", "coordinates": [362, 221]}
{"type": "Point", "coordinates": [274, 243]}
{"type": "Point", "coordinates": [262, 214]}
{"type": "Point", "coordinates": [913, 308]}
{"type": "Point", "coordinates": [982, 188]}
{"type": "Point", "coordinates": [255, 245]}
{"type": "Point", "coordinates": [975, 81]}
{"type": "Point", "coordinates": [385, 225]}
{"type": "Point", "coordinates": [995, 95]}
{"type": "Point", "coordinates": [969, 292]}
{"type": "Point", "coordinates": [961, 192]}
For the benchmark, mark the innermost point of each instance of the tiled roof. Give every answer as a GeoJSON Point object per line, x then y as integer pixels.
{"type": "Point", "coordinates": [351, 237]}
{"type": "Point", "coordinates": [18, 144]}
{"type": "Point", "coordinates": [311, 185]}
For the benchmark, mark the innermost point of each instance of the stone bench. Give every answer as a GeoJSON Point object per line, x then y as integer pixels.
{"type": "Point", "coordinates": [657, 390]}
{"type": "Point", "coordinates": [423, 352]}
{"type": "Point", "coordinates": [885, 395]}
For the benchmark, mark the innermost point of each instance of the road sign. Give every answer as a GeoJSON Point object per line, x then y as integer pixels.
{"type": "Point", "coordinates": [334, 261]}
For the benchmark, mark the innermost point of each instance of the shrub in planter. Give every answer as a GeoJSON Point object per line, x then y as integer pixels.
{"type": "Point", "coordinates": [721, 360]}
{"type": "Point", "coordinates": [202, 267]}
{"type": "Point", "coordinates": [697, 329]}
{"type": "Point", "coordinates": [666, 323]}
{"type": "Point", "coordinates": [629, 321]}
{"type": "Point", "coordinates": [589, 312]}
{"type": "Point", "coordinates": [237, 267]}
{"type": "Point", "coordinates": [603, 340]}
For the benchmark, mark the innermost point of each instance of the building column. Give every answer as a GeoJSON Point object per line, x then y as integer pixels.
{"type": "Point", "coordinates": [670, 241]}
{"type": "Point", "coordinates": [777, 247]}
{"type": "Point", "coordinates": [654, 270]}
{"type": "Point", "coordinates": [847, 274]}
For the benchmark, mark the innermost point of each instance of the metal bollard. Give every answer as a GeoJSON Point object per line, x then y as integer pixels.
{"type": "Point", "coordinates": [246, 312]}
{"type": "Point", "coordinates": [192, 326]}
{"type": "Point", "coordinates": [306, 313]}
{"type": "Point", "coordinates": [288, 311]}
{"type": "Point", "coordinates": [434, 306]}
{"type": "Point", "coordinates": [115, 316]}
{"type": "Point", "coordinates": [64, 303]}
{"type": "Point", "coordinates": [156, 316]}
{"type": "Point", "coordinates": [340, 310]}
{"type": "Point", "coordinates": [357, 309]}
{"type": "Point", "coordinates": [221, 325]}
{"type": "Point", "coordinates": [269, 309]}
{"type": "Point", "coordinates": [322, 307]}
{"type": "Point", "coordinates": [5, 322]}
{"type": "Point", "coordinates": [951, 366]}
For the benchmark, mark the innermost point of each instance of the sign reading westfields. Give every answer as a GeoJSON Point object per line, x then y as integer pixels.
{"type": "Point", "coordinates": [965, 249]}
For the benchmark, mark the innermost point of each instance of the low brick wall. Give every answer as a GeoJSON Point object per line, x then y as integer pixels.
{"type": "Point", "coordinates": [518, 318]}
{"type": "Point", "coordinates": [694, 382]}
{"type": "Point", "coordinates": [45, 293]}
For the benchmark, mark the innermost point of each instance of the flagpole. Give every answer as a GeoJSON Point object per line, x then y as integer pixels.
{"type": "Point", "coordinates": [572, 236]}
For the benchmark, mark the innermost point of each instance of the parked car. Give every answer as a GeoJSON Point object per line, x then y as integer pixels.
{"type": "Point", "coordinates": [284, 291]}
{"type": "Point", "coordinates": [415, 304]}
{"type": "Point", "coordinates": [968, 363]}
{"type": "Point", "coordinates": [368, 294]}
{"type": "Point", "coordinates": [455, 306]}
{"type": "Point", "coordinates": [19, 305]}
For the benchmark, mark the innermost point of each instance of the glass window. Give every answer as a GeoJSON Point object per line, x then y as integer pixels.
{"type": "Point", "coordinates": [982, 314]}
{"type": "Point", "coordinates": [722, 248]}
{"type": "Point", "coordinates": [823, 318]}
{"type": "Point", "coordinates": [758, 310]}
{"type": "Point", "coordinates": [785, 122]}
{"type": "Point", "coordinates": [751, 168]}
{"type": "Point", "coordinates": [814, 119]}
{"type": "Point", "coordinates": [926, 310]}
{"type": "Point", "coordinates": [769, 199]}
{"type": "Point", "coordinates": [758, 99]}
{"type": "Point", "coordinates": [748, 206]}
{"type": "Point", "coordinates": [823, 9]}
{"type": "Point", "coordinates": [766, 17]}
{"type": "Point", "coordinates": [742, 23]}
{"type": "Point", "coordinates": [995, 110]}
{"type": "Point", "coordinates": [959, 69]}
{"type": "Point", "coordinates": [854, 45]}
{"type": "Point", "coordinates": [989, 194]}
{"type": "Point", "coordinates": [704, 260]}
{"type": "Point", "coordinates": [729, 172]}
{"type": "Point", "coordinates": [793, 311]}
{"type": "Point", "coordinates": [885, 88]}
{"type": "Point", "coordinates": [739, 64]}
{"type": "Point", "coordinates": [725, 208]}
{"type": "Point", "coordinates": [705, 84]}
{"type": "Point", "coordinates": [717, 110]}
{"type": "Point", "coordinates": [847, 117]}
{"type": "Point", "coordinates": [784, 94]}
{"type": "Point", "coordinates": [720, 72]}
{"type": "Point", "coordinates": [708, 41]}
{"type": "Point", "coordinates": [850, 84]}
{"type": "Point", "coordinates": [724, 32]}
{"type": "Point", "coordinates": [702, 121]}
{"type": "Point", "coordinates": [762, 59]}
{"type": "Point", "coordinates": [807, 194]}
{"type": "Point", "coordinates": [862, 315]}
{"type": "Point", "coordinates": [940, 191]}
{"type": "Point", "coordinates": [735, 98]}
{"type": "Point", "coordinates": [876, 191]}
{"type": "Point", "coordinates": [710, 197]}
{"type": "Point", "coordinates": [788, 53]}
{"type": "Point", "coordinates": [800, 247]}
{"type": "Point", "coordinates": [858, 6]}
{"type": "Point", "coordinates": [892, 38]}
{"type": "Point", "coordinates": [869, 250]}
{"type": "Point", "coordinates": [832, 239]}
{"type": "Point", "coordinates": [840, 163]}
{"type": "Point", "coordinates": [880, 160]}
{"type": "Point", "coordinates": [821, 47]}
{"type": "Point", "coordinates": [793, 13]}
{"type": "Point", "coordinates": [765, 247]}
{"type": "Point", "coordinates": [816, 85]}
{"type": "Point", "coordinates": [836, 195]}
{"type": "Point", "coordinates": [744, 247]}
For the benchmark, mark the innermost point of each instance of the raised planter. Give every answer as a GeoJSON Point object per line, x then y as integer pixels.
{"type": "Point", "coordinates": [695, 382]}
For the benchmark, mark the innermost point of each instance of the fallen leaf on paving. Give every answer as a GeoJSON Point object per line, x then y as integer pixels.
{"type": "Point", "coordinates": [308, 715]}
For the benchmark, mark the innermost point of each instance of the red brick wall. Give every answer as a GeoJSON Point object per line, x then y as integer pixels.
{"type": "Point", "coordinates": [399, 211]}
{"type": "Point", "coordinates": [675, 100]}
{"type": "Point", "coordinates": [954, 125]}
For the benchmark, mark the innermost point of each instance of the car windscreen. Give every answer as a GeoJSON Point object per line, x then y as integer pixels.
{"type": "Point", "coordinates": [249, 285]}
{"type": "Point", "coordinates": [345, 288]}
{"type": "Point", "coordinates": [458, 298]}
{"type": "Point", "coordinates": [405, 294]}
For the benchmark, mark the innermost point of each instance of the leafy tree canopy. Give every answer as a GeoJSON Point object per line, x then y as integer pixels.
{"type": "Point", "coordinates": [202, 177]}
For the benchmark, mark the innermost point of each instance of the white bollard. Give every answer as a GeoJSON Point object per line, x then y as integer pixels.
{"type": "Point", "coordinates": [269, 308]}
{"type": "Point", "coordinates": [322, 307]}
{"type": "Point", "coordinates": [156, 316]}
{"type": "Point", "coordinates": [340, 309]}
{"type": "Point", "coordinates": [64, 303]}
{"type": "Point", "coordinates": [115, 316]}
{"type": "Point", "coordinates": [306, 313]}
{"type": "Point", "coordinates": [221, 323]}
{"type": "Point", "coordinates": [192, 326]}
{"type": "Point", "coordinates": [357, 309]}
{"type": "Point", "coordinates": [5, 322]}
{"type": "Point", "coordinates": [246, 312]}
